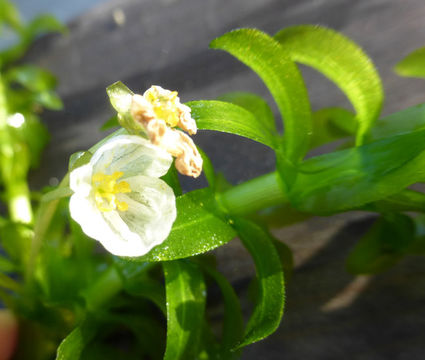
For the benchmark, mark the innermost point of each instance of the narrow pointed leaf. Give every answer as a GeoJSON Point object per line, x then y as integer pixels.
{"type": "Point", "coordinates": [253, 103]}
{"type": "Point", "coordinates": [73, 345]}
{"type": "Point", "coordinates": [233, 320]}
{"type": "Point", "coordinates": [343, 62]}
{"type": "Point", "coordinates": [413, 65]}
{"type": "Point", "coordinates": [273, 65]}
{"type": "Point", "coordinates": [269, 309]}
{"type": "Point", "coordinates": [383, 245]}
{"type": "Point", "coordinates": [404, 121]}
{"type": "Point", "coordinates": [185, 294]}
{"type": "Point", "coordinates": [198, 228]}
{"type": "Point", "coordinates": [353, 177]}
{"type": "Point", "coordinates": [226, 117]}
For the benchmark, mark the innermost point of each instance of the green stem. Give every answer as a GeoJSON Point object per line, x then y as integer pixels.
{"type": "Point", "coordinates": [253, 195]}
{"type": "Point", "coordinates": [18, 195]}
{"type": "Point", "coordinates": [104, 289]}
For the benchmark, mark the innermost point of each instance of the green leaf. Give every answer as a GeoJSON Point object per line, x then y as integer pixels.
{"type": "Point", "coordinates": [110, 124]}
{"type": "Point", "coordinates": [233, 319]}
{"type": "Point", "coordinates": [43, 24]}
{"type": "Point", "coordinates": [353, 177]}
{"type": "Point", "coordinates": [8, 283]}
{"type": "Point", "coordinates": [269, 309]}
{"type": "Point", "coordinates": [343, 62]}
{"type": "Point", "coordinates": [9, 14]}
{"type": "Point", "coordinates": [331, 124]}
{"type": "Point", "coordinates": [406, 200]}
{"type": "Point", "coordinates": [73, 345]}
{"type": "Point", "coordinates": [49, 99]}
{"type": "Point", "coordinates": [172, 180]}
{"type": "Point", "coordinates": [413, 65]}
{"type": "Point", "coordinates": [404, 121]}
{"type": "Point", "coordinates": [34, 135]}
{"type": "Point", "coordinates": [273, 64]}
{"type": "Point", "coordinates": [185, 292]}
{"type": "Point", "coordinates": [32, 77]}
{"type": "Point", "coordinates": [254, 104]}
{"type": "Point", "coordinates": [6, 265]}
{"type": "Point", "coordinates": [383, 245]}
{"type": "Point", "coordinates": [225, 117]}
{"type": "Point", "coordinates": [198, 228]}
{"type": "Point", "coordinates": [208, 169]}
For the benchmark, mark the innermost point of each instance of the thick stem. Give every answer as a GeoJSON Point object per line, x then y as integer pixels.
{"type": "Point", "coordinates": [253, 195]}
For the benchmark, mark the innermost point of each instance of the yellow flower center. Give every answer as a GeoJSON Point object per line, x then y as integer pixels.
{"type": "Point", "coordinates": [165, 106]}
{"type": "Point", "coordinates": [106, 188]}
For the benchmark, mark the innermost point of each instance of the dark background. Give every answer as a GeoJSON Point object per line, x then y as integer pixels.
{"type": "Point", "coordinates": [329, 313]}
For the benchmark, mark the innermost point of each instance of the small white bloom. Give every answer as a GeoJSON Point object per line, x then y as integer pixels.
{"type": "Point", "coordinates": [119, 199]}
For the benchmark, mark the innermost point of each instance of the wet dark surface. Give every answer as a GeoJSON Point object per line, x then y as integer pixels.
{"type": "Point", "coordinates": [329, 314]}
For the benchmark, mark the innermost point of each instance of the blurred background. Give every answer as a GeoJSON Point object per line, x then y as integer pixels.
{"type": "Point", "coordinates": [329, 313]}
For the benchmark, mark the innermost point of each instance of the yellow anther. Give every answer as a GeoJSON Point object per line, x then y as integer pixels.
{"type": "Point", "coordinates": [105, 190]}
{"type": "Point", "coordinates": [164, 104]}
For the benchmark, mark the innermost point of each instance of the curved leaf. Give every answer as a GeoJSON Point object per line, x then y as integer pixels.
{"type": "Point", "coordinates": [225, 117]}
{"type": "Point", "coordinates": [383, 245]}
{"type": "Point", "coordinates": [233, 320]}
{"type": "Point", "coordinates": [185, 295]}
{"type": "Point", "coordinates": [269, 309]}
{"type": "Point", "coordinates": [272, 63]}
{"type": "Point", "coordinates": [353, 177]}
{"type": "Point", "coordinates": [342, 61]}
{"type": "Point", "coordinates": [404, 121]}
{"type": "Point", "coordinates": [73, 345]}
{"type": "Point", "coordinates": [197, 229]}
{"type": "Point", "coordinates": [413, 65]}
{"type": "Point", "coordinates": [254, 104]}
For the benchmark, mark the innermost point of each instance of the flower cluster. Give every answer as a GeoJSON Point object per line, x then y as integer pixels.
{"type": "Point", "coordinates": [118, 197]}
{"type": "Point", "coordinates": [160, 111]}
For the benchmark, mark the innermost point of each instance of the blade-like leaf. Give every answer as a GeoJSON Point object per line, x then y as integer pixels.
{"type": "Point", "coordinates": [226, 117]}
{"type": "Point", "coordinates": [197, 229]}
{"type": "Point", "coordinates": [353, 177]}
{"type": "Point", "coordinates": [272, 63]}
{"type": "Point", "coordinates": [73, 345]}
{"type": "Point", "coordinates": [383, 245]}
{"type": "Point", "coordinates": [330, 124]}
{"type": "Point", "coordinates": [253, 103]}
{"type": "Point", "coordinates": [406, 200]}
{"type": "Point", "coordinates": [185, 294]}
{"type": "Point", "coordinates": [342, 61]}
{"type": "Point", "coordinates": [404, 121]}
{"type": "Point", "coordinates": [208, 169]}
{"type": "Point", "coordinates": [233, 320]}
{"type": "Point", "coordinates": [32, 77]}
{"type": "Point", "coordinates": [413, 65]}
{"type": "Point", "coordinates": [269, 309]}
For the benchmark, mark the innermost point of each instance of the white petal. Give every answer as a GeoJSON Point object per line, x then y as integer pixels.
{"type": "Point", "coordinates": [80, 180]}
{"type": "Point", "coordinates": [151, 210]}
{"type": "Point", "coordinates": [132, 155]}
{"type": "Point", "coordinates": [90, 218]}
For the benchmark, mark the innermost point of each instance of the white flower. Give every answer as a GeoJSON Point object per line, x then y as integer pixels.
{"type": "Point", "coordinates": [119, 199]}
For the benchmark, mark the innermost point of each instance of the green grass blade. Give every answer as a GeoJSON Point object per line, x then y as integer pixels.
{"type": "Point", "coordinates": [198, 228]}
{"type": "Point", "coordinates": [269, 309]}
{"type": "Point", "coordinates": [185, 293]}
{"type": "Point", "coordinates": [413, 65]}
{"type": "Point", "coordinates": [273, 65]}
{"type": "Point", "coordinates": [343, 62]}
{"type": "Point", "coordinates": [225, 117]}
